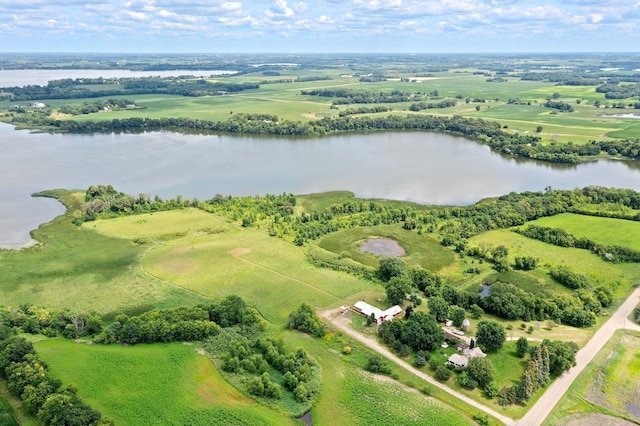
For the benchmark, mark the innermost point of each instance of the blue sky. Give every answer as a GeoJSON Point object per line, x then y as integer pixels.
{"type": "Point", "coordinates": [319, 26]}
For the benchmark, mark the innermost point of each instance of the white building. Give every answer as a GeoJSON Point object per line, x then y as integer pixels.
{"type": "Point", "coordinates": [365, 309]}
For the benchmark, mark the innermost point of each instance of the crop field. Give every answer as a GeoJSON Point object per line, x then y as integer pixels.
{"type": "Point", "coordinates": [608, 385]}
{"type": "Point", "coordinates": [267, 272]}
{"type": "Point", "coordinates": [352, 396]}
{"type": "Point", "coordinates": [599, 229]}
{"type": "Point", "coordinates": [420, 250]}
{"type": "Point", "coordinates": [153, 384]}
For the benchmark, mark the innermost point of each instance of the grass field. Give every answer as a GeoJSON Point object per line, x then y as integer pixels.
{"type": "Point", "coordinates": [608, 385]}
{"type": "Point", "coordinates": [599, 229]}
{"type": "Point", "coordinates": [420, 250]}
{"type": "Point", "coordinates": [265, 271]}
{"type": "Point", "coordinates": [84, 271]}
{"type": "Point", "coordinates": [619, 276]}
{"type": "Point", "coordinates": [156, 384]}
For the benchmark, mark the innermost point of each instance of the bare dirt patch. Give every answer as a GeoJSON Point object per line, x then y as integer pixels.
{"type": "Point", "coordinates": [240, 251]}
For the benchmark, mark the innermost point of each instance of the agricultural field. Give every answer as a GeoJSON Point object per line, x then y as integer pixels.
{"type": "Point", "coordinates": [607, 389]}
{"type": "Point", "coordinates": [515, 103]}
{"type": "Point", "coordinates": [153, 384]}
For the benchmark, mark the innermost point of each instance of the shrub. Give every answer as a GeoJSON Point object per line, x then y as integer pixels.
{"type": "Point", "coordinates": [443, 373]}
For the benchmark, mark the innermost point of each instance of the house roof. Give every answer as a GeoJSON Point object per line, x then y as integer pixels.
{"type": "Point", "coordinates": [475, 352]}
{"type": "Point", "coordinates": [459, 360]}
{"type": "Point", "coordinates": [366, 309]}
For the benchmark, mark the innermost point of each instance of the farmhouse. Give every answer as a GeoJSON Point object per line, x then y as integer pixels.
{"type": "Point", "coordinates": [458, 361]}
{"type": "Point", "coordinates": [365, 309]}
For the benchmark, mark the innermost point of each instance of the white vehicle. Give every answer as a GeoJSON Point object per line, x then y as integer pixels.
{"type": "Point", "coordinates": [458, 332]}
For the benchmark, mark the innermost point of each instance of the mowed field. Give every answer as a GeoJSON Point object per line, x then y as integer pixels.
{"type": "Point", "coordinates": [267, 272]}
{"type": "Point", "coordinates": [604, 230]}
{"type": "Point", "coordinates": [159, 384]}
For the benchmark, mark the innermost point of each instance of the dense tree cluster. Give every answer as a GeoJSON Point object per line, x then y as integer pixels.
{"type": "Point", "coordinates": [363, 110]}
{"type": "Point", "coordinates": [180, 324]}
{"type": "Point", "coordinates": [619, 91]}
{"type": "Point", "coordinates": [559, 105]}
{"type": "Point", "coordinates": [419, 106]}
{"type": "Point", "coordinates": [27, 377]}
{"type": "Point", "coordinates": [420, 332]}
{"type": "Point", "coordinates": [254, 356]}
{"type": "Point", "coordinates": [304, 319]}
{"type": "Point", "coordinates": [37, 320]}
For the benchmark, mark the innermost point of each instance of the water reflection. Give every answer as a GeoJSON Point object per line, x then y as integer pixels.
{"type": "Point", "coordinates": [420, 167]}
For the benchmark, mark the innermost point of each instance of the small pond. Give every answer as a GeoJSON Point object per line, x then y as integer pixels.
{"type": "Point", "coordinates": [382, 247]}
{"type": "Point", "coordinates": [486, 290]}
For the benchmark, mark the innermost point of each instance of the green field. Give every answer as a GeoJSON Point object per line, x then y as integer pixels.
{"type": "Point", "coordinates": [420, 250]}
{"type": "Point", "coordinates": [608, 385]}
{"type": "Point", "coordinates": [156, 384]}
{"type": "Point", "coordinates": [619, 276]}
{"type": "Point", "coordinates": [599, 229]}
{"type": "Point", "coordinates": [85, 271]}
{"type": "Point", "coordinates": [267, 272]}
{"type": "Point", "coordinates": [352, 396]}
{"type": "Point", "coordinates": [286, 101]}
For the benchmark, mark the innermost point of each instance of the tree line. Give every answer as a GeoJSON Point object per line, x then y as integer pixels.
{"type": "Point", "coordinates": [485, 132]}
{"type": "Point", "coordinates": [560, 237]}
{"type": "Point", "coordinates": [76, 88]}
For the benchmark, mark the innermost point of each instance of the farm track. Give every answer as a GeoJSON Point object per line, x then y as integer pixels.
{"type": "Point", "coordinates": [342, 322]}
{"type": "Point", "coordinates": [543, 407]}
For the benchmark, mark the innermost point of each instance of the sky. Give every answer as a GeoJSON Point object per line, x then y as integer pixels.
{"type": "Point", "coordinates": [309, 26]}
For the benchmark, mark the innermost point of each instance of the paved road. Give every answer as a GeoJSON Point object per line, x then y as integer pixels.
{"type": "Point", "coordinates": [343, 323]}
{"type": "Point", "coordinates": [541, 409]}
{"type": "Point", "coordinates": [557, 389]}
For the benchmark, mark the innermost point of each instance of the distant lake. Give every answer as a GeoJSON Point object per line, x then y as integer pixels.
{"type": "Point", "coordinates": [13, 78]}
{"type": "Point", "coordinates": [421, 167]}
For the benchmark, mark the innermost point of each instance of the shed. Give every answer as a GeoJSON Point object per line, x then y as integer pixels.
{"type": "Point", "coordinates": [466, 324]}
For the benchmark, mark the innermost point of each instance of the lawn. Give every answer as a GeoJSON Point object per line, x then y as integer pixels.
{"type": "Point", "coordinates": [157, 384]}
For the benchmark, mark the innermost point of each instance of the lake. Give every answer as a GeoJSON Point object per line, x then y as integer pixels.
{"type": "Point", "coordinates": [19, 78]}
{"type": "Point", "coordinates": [421, 167]}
